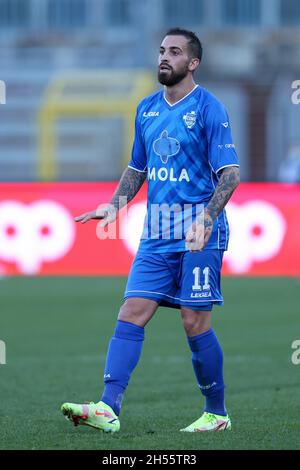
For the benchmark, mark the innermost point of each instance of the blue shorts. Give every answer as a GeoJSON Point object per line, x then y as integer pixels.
{"type": "Point", "coordinates": [177, 280]}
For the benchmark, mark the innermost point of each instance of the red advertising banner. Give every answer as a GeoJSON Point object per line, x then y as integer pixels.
{"type": "Point", "coordinates": [38, 235]}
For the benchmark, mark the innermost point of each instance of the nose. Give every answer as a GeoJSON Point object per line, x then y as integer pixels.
{"type": "Point", "coordinates": [164, 57]}
{"type": "Point", "coordinates": [164, 61]}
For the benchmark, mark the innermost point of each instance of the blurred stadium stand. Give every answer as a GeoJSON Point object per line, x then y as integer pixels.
{"type": "Point", "coordinates": [251, 57]}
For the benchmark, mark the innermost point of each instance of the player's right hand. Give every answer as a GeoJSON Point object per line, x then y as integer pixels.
{"type": "Point", "coordinates": [108, 215]}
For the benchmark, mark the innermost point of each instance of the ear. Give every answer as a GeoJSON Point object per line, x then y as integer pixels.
{"type": "Point", "coordinates": [193, 64]}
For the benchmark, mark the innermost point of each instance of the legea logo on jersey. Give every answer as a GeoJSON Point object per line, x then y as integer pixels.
{"type": "Point", "coordinates": [166, 147]}
{"type": "Point", "coordinates": [151, 114]}
{"type": "Point", "coordinates": [190, 119]}
{"type": "Point", "coordinates": [31, 234]}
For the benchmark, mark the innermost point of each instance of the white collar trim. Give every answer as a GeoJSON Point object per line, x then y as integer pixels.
{"type": "Point", "coordinates": [196, 86]}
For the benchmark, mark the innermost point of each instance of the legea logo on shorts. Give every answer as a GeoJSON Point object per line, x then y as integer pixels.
{"type": "Point", "coordinates": [31, 234]}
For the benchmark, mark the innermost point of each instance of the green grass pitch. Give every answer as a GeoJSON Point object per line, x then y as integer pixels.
{"type": "Point", "coordinates": [57, 330]}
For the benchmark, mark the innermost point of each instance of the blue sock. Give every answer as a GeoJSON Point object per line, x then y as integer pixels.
{"type": "Point", "coordinates": [207, 358]}
{"type": "Point", "coordinates": [123, 355]}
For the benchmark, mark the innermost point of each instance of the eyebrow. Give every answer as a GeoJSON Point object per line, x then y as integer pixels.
{"type": "Point", "coordinates": [172, 47]}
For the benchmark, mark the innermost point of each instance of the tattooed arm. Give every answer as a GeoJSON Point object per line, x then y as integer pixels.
{"type": "Point", "coordinates": [200, 232]}
{"type": "Point", "coordinates": [130, 183]}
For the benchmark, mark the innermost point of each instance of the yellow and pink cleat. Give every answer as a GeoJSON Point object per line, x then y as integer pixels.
{"type": "Point", "coordinates": [97, 415]}
{"type": "Point", "coordinates": [209, 422]}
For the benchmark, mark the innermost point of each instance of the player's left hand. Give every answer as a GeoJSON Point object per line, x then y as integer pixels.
{"type": "Point", "coordinates": [199, 233]}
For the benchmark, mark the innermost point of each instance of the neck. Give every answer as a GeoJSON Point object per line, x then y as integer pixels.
{"type": "Point", "coordinates": [180, 90]}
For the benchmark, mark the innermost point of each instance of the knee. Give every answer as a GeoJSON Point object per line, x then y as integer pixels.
{"type": "Point", "coordinates": [137, 311]}
{"type": "Point", "coordinates": [188, 322]}
{"type": "Point", "coordinates": [129, 311]}
{"type": "Point", "coordinates": [195, 322]}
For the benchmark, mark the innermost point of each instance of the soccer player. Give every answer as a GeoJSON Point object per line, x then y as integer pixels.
{"type": "Point", "coordinates": [183, 144]}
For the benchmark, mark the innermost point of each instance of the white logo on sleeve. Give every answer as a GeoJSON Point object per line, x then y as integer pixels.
{"type": "Point", "coordinates": [227, 146]}
{"type": "Point", "coordinates": [31, 234]}
{"type": "Point", "coordinates": [225, 124]}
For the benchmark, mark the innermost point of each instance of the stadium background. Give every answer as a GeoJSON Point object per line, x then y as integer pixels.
{"type": "Point", "coordinates": [72, 72]}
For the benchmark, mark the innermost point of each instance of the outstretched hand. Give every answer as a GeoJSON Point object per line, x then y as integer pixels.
{"type": "Point", "coordinates": [107, 215]}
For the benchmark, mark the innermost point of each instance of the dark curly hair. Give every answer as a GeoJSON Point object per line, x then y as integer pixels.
{"type": "Point", "coordinates": [194, 42]}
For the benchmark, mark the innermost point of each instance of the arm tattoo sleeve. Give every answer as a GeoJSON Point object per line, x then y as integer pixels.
{"type": "Point", "coordinates": [229, 180]}
{"type": "Point", "coordinates": [130, 183]}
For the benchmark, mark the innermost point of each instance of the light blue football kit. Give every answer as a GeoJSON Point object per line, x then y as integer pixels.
{"type": "Point", "coordinates": [182, 147]}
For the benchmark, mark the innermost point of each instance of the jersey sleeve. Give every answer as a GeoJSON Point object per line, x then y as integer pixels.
{"type": "Point", "coordinates": [138, 159]}
{"type": "Point", "coordinates": [221, 149]}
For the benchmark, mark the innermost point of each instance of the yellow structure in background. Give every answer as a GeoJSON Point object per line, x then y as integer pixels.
{"type": "Point", "coordinates": [113, 93]}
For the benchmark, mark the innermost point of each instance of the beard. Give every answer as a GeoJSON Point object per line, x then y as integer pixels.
{"type": "Point", "coordinates": [171, 78]}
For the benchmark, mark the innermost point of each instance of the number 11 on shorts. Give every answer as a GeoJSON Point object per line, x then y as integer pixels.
{"type": "Point", "coordinates": [197, 279]}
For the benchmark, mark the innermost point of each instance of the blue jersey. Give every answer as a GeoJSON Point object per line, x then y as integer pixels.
{"type": "Point", "coordinates": [182, 147]}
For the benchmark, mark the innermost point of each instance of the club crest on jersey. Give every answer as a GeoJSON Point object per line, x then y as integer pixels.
{"type": "Point", "coordinates": [166, 146]}
{"type": "Point", "coordinates": [190, 119]}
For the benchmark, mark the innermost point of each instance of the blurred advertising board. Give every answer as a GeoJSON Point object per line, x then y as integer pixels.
{"type": "Point", "coordinates": [38, 235]}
